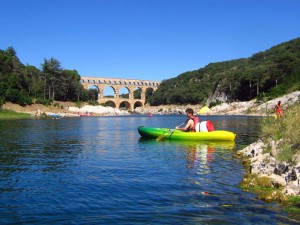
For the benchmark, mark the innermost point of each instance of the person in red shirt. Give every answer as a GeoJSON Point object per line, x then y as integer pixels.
{"type": "Point", "coordinates": [279, 109]}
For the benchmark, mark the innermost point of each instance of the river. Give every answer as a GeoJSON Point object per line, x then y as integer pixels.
{"type": "Point", "coordinates": [97, 170]}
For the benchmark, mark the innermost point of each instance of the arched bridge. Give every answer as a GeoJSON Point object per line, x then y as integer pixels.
{"type": "Point", "coordinates": [117, 100]}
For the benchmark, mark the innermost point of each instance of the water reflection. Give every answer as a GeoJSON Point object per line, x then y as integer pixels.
{"type": "Point", "coordinates": [202, 153]}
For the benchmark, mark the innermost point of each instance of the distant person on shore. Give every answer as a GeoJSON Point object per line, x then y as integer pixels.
{"type": "Point", "coordinates": [38, 112]}
{"type": "Point", "coordinates": [190, 122]}
{"type": "Point", "coordinates": [279, 109]}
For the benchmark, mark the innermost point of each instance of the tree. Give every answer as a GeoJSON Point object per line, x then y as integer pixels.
{"type": "Point", "coordinates": [31, 81]}
{"type": "Point", "coordinates": [51, 71]}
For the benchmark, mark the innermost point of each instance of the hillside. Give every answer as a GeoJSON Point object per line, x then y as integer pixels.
{"type": "Point", "coordinates": [270, 74]}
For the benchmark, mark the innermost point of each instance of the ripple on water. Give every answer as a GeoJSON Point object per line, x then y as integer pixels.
{"type": "Point", "coordinates": [98, 170]}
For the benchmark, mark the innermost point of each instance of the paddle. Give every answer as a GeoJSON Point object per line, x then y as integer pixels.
{"type": "Point", "coordinates": [161, 137]}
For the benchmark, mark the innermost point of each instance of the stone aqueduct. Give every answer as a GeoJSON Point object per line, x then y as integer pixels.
{"type": "Point", "coordinates": [116, 84]}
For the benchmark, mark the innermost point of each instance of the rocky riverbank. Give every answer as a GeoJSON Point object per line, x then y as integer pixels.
{"type": "Point", "coordinates": [236, 108]}
{"type": "Point", "coordinates": [65, 109]}
{"type": "Point", "coordinates": [282, 178]}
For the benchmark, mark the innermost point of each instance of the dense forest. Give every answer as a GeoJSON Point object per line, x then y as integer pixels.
{"type": "Point", "coordinates": [23, 84]}
{"type": "Point", "coordinates": [267, 74]}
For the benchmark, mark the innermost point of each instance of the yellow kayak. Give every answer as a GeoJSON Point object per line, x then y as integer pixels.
{"type": "Point", "coordinates": [172, 134]}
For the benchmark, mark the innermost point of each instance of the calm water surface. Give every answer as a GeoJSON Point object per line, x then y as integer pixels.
{"type": "Point", "coordinates": [97, 170]}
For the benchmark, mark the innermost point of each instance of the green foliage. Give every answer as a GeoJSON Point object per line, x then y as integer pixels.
{"type": "Point", "coordinates": [8, 114]}
{"type": "Point", "coordinates": [271, 128]}
{"type": "Point", "coordinates": [2, 101]}
{"type": "Point", "coordinates": [267, 149]}
{"type": "Point", "coordinates": [286, 128]}
{"type": "Point", "coordinates": [18, 97]}
{"type": "Point", "coordinates": [20, 84]}
{"type": "Point", "coordinates": [137, 93]}
{"type": "Point", "coordinates": [290, 85]}
{"type": "Point", "coordinates": [56, 104]}
{"type": "Point", "coordinates": [94, 103]}
{"type": "Point", "coordinates": [263, 187]}
{"type": "Point", "coordinates": [217, 102]}
{"type": "Point", "coordinates": [46, 102]}
{"type": "Point", "coordinates": [286, 153]}
{"type": "Point", "coordinates": [79, 104]}
{"type": "Point", "coordinates": [43, 115]}
{"type": "Point", "coordinates": [292, 207]}
{"type": "Point", "coordinates": [270, 73]}
{"type": "Point", "coordinates": [294, 199]}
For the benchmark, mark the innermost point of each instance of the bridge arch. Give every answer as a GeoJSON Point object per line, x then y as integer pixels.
{"type": "Point", "coordinates": [110, 103]}
{"type": "Point", "coordinates": [107, 88]}
{"type": "Point", "coordinates": [93, 86]}
{"type": "Point", "coordinates": [125, 104]}
{"type": "Point", "coordinates": [138, 104]}
{"type": "Point", "coordinates": [137, 93]}
{"type": "Point", "coordinates": [145, 87]}
{"type": "Point", "coordinates": [123, 95]}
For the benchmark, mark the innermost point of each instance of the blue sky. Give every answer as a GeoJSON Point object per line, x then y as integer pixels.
{"type": "Point", "coordinates": [144, 39]}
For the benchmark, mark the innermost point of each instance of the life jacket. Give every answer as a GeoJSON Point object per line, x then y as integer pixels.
{"type": "Point", "coordinates": [196, 121]}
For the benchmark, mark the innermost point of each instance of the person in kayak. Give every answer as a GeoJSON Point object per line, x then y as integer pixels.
{"type": "Point", "coordinates": [190, 123]}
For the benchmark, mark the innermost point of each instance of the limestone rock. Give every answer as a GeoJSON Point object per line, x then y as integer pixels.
{"type": "Point", "coordinates": [265, 165]}
{"type": "Point", "coordinates": [291, 189]}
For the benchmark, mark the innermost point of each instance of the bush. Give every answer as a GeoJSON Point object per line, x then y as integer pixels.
{"type": "Point", "coordinates": [18, 97]}
{"type": "Point", "coordinates": [56, 104]}
{"type": "Point", "coordinates": [79, 104]}
{"type": "Point", "coordinates": [94, 103]}
{"type": "Point", "coordinates": [212, 104]}
{"type": "Point", "coordinates": [286, 153]}
{"type": "Point", "coordinates": [286, 128]}
{"type": "Point", "coordinates": [24, 100]}
{"type": "Point", "coordinates": [46, 102]}
{"type": "Point", "coordinates": [2, 101]}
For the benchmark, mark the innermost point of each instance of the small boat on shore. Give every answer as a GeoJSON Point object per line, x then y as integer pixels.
{"type": "Point", "coordinates": [84, 115]}
{"type": "Point", "coordinates": [55, 115]}
{"type": "Point", "coordinates": [173, 134]}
